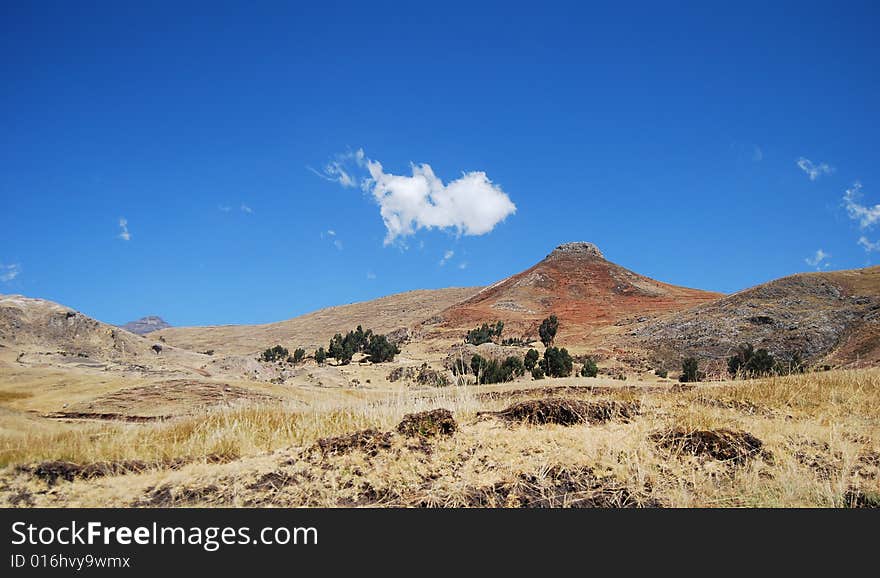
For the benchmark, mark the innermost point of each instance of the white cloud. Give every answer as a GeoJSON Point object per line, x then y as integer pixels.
{"type": "Point", "coordinates": [757, 154]}
{"type": "Point", "coordinates": [9, 272]}
{"type": "Point", "coordinates": [814, 171]}
{"type": "Point", "coordinates": [463, 265]}
{"type": "Point", "coordinates": [123, 229]}
{"type": "Point", "coordinates": [819, 260]}
{"type": "Point", "coordinates": [247, 210]}
{"type": "Point", "coordinates": [225, 208]}
{"type": "Point", "coordinates": [371, 275]}
{"type": "Point", "coordinates": [865, 215]}
{"type": "Point", "coordinates": [869, 246]}
{"type": "Point", "coordinates": [331, 232]}
{"type": "Point", "coordinates": [338, 244]}
{"type": "Point", "coordinates": [471, 204]}
{"type": "Point", "coordinates": [446, 257]}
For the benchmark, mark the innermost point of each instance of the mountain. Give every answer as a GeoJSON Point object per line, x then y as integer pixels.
{"type": "Point", "coordinates": [830, 316]}
{"type": "Point", "coordinates": [145, 325]}
{"type": "Point", "coordinates": [590, 295]}
{"type": "Point", "coordinates": [383, 315]}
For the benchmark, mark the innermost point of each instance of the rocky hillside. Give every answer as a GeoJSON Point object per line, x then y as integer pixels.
{"type": "Point", "coordinates": [146, 325]}
{"type": "Point", "coordinates": [590, 295]}
{"type": "Point", "coordinates": [832, 316]}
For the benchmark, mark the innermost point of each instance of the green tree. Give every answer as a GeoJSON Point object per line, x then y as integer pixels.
{"type": "Point", "coordinates": [531, 359]}
{"type": "Point", "coordinates": [548, 329]}
{"type": "Point", "coordinates": [537, 372]}
{"type": "Point", "coordinates": [590, 369]}
{"type": "Point", "coordinates": [557, 362]}
{"type": "Point", "coordinates": [749, 362]}
{"type": "Point", "coordinates": [380, 350]}
{"type": "Point", "coordinates": [320, 356]}
{"type": "Point", "coordinates": [299, 354]}
{"type": "Point", "coordinates": [276, 353]}
{"type": "Point", "coordinates": [690, 371]}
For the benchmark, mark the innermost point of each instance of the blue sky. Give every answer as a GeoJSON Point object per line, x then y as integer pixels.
{"type": "Point", "coordinates": [670, 134]}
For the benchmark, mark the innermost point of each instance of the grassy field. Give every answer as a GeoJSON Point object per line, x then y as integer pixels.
{"type": "Point", "coordinates": [808, 440]}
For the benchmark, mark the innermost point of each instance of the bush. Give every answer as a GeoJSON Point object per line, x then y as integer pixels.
{"type": "Point", "coordinates": [548, 330]}
{"type": "Point", "coordinates": [380, 350]}
{"type": "Point", "coordinates": [299, 354]}
{"type": "Point", "coordinates": [690, 371]}
{"type": "Point", "coordinates": [661, 373]}
{"type": "Point", "coordinates": [484, 333]}
{"type": "Point", "coordinates": [276, 353]}
{"type": "Point", "coordinates": [557, 362]}
{"type": "Point", "coordinates": [531, 359]}
{"type": "Point", "coordinates": [490, 371]}
{"type": "Point", "coordinates": [537, 372]}
{"type": "Point", "coordinates": [589, 369]}
{"type": "Point", "coordinates": [748, 362]}
{"type": "Point", "coordinates": [320, 355]}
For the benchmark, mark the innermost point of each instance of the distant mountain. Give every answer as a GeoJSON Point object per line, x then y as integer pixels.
{"type": "Point", "coordinates": [146, 325]}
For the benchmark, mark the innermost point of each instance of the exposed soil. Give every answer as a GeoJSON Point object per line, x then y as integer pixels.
{"type": "Point", "coordinates": [369, 441]}
{"type": "Point", "coordinates": [566, 411]}
{"type": "Point", "coordinates": [52, 471]}
{"type": "Point", "coordinates": [437, 422]}
{"type": "Point", "coordinates": [721, 444]}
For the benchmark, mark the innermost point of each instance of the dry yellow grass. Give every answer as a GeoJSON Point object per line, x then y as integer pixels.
{"type": "Point", "coordinates": [820, 434]}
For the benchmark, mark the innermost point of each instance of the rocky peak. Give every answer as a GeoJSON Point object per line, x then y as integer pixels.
{"type": "Point", "coordinates": [577, 249]}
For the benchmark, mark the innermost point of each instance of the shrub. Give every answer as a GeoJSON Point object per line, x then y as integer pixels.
{"type": "Point", "coordinates": [537, 372]}
{"type": "Point", "coordinates": [589, 369]}
{"type": "Point", "coordinates": [557, 362]}
{"type": "Point", "coordinates": [276, 353]}
{"type": "Point", "coordinates": [490, 371]}
{"type": "Point", "coordinates": [484, 333]}
{"type": "Point", "coordinates": [299, 354]}
{"type": "Point", "coordinates": [749, 362]}
{"type": "Point", "coordinates": [548, 330]}
{"type": "Point", "coordinates": [661, 373]}
{"type": "Point", "coordinates": [690, 371]}
{"type": "Point", "coordinates": [320, 355]}
{"type": "Point", "coordinates": [531, 359]}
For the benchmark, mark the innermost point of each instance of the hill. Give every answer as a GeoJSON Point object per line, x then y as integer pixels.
{"type": "Point", "coordinates": [590, 295]}
{"type": "Point", "coordinates": [146, 325]}
{"type": "Point", "coordinates": [832, 316]}
{"type": "Point", "coordinates": [383, 315]}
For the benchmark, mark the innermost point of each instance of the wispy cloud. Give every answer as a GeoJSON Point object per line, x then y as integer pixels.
{"type": "Point", "coordinates": [819, 259]}
{"type": "Point", "coordinates": [867, 245]}
{"type": "Point", "coordinates": [463, 265]}
{"type": "Point", "coordinates": [9, 272]}
{"type": "Point", "coordinates": [224, 208]}
{"type": "Point", "coordinates": [471, 204]}
{"type": "Point", "coordinates": [246, 209]}
{"type": "Point", "coordinates": [446, 257]}
{"type": "Point", "coordinates": [814, 171]}
{"type": "Point", "coordinates": [371, 275]}
{"type": "Point", "coordinates": [338, 244]}
{"type": "Point", "coordinates": [124, 234]}
{"type": "Point", "coordinates": [757, 154]}
{"type": "Point", "coordinates": [867, 216]}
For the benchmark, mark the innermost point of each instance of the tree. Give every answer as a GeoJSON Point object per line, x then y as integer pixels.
{"type": "Point", "coordinates": [380, 350]}
{"type": "Point", "coordinates": [557, 362]}
{"type": "Point", "coordinates": [320, 356]}
{"type": "Point", "coordinates": [548, 329]}
{"type": "Point", "coordinates": [276, 353]}
{"type": "Point", "coordinates": [690, 371]}
{"type": "Point", "coordinates": [491, 371]}
{"type": "Point", "coordinates": [484, 334]}
{"type": "Point", "coordinates": [531, 359]}
{"type": "Point", "coordinates": [299, 354]}
{"type": "Point", "coordinates": [749, 362]}
{"type": "Point", "coordinates": [341, 348]}
{"type": "Point", "coordinates": [590, 369]}
{"type": "Point", "coordinates": [537, 372]}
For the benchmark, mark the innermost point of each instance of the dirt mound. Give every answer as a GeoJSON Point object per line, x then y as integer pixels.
{"type": "Point", "coordinates": [556, 390]}
{"type": "Point", "coordinates": [857, 498]}
{"type": "Point", "coordinates": [369, 441]}
{"type": "Point", "coordinates": [565, 411]}
{"type": "Point", "coordinates": [54, 470]}
{"type": "Point", "coordinates": [432, 423]}
{"type": "Point", "coordinates": [721, 444]}
{"type": "Point", "coordinates": [558, 487]}
{"type": "Point", "coordinates": [422, 375]}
